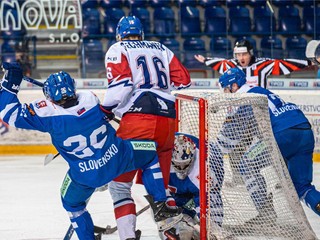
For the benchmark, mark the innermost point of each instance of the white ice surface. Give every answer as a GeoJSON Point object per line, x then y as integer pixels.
{"type": "Point", "coordinates": [30, 206]}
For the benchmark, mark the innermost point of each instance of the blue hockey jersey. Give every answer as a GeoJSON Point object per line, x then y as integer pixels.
{"type": "Point", "coordinates": [93, 155]}
{"type": "Point", "coordinates": [283, 115]}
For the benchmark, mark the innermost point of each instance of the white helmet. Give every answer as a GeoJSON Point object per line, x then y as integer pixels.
{"type": "Point", "coordinates": [183, 155]}
{"type": "Point", "coordinates": [313, 51]}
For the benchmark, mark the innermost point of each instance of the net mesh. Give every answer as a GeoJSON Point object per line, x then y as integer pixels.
{"type": "Point", "coordinates": [250, 192]}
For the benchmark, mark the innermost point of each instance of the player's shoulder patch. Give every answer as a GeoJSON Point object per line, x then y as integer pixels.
{"type": "Point", "coordinates": [41, 104]}
{"type": "Point", "coordinates": [81, 111]}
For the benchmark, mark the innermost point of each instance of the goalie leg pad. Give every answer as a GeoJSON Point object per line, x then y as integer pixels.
{"type": "Point", "coordinates": [169, 223]}
{"type": "Point", "coordinates": [186, 232]}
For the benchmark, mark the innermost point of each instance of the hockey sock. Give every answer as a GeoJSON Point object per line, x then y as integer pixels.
{"type": "Point", "coordinates": [126, 218]}
{"type": "Point", "coordinates": [153, 180]}
{"type": "Point", "coordinates": [82, 223]}
{"type": "Point", "coordinates": [124, 208]}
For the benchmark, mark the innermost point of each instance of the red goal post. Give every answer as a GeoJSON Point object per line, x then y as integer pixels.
{"type": "Point", "coordinates": [202, 133]}
{"type": "Point", "coordinates": [246, 191]}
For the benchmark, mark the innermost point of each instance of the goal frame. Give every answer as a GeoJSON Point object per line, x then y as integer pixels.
{"type": "Point", "coordinates": [268, 205]}
{"type": "Point", "coordinates": [203, 137]}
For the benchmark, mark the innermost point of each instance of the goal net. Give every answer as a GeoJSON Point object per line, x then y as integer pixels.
{"type": "Point", "coordinates": [242, 171]}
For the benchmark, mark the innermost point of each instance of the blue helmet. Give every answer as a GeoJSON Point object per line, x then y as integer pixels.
{"type": "Point", "coordinates": [232, 75]}
{"type": "Point", "coordinates": [128, 26]}
{"type": "Point", "coordinates": [59, 87]}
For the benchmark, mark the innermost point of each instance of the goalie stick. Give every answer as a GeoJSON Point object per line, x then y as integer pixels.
{"type": "Point", "coordinates": [100, 230]}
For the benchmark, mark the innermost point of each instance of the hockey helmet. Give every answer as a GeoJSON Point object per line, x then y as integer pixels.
{"type": "Point", "coordinates": [232, 75]}
{"type": "Point", "coordinates": [243, 46]}
{"type": "Point", "coordinates": [59, 88]}
{"type": "Point", "coordinates": [129, 26]}
{"type": "Point", "coordinates": [313, 51]}
{"type": "Point", "coordinates": [183, 155]}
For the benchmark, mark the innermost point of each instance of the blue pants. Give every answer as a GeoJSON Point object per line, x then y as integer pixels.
{"type": "Point", "coordinates": [75, 195]}
{"type": "Point", "coordinates": [296, 145]}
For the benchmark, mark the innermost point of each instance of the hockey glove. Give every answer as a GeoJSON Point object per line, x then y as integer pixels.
{"type": "Point", "coordinates": [108, 112]}
{"type": "Point", "coordinates": [12, 77]}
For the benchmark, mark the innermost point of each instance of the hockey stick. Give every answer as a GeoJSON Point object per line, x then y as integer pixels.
{"type": "Point", "coordinates": [33, 81]}
{"type": "Point", "coordinates": [101, 230]}
{"type": "Point", "coordinates": [110, 230]}
{"type": "Point", "coordinates": [69, 233]}
{"type": "Point", "coordinates": [49, 157]}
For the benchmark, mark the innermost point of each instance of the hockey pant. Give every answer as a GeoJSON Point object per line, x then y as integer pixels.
{"type": "Point", "coordinates": [74, 195]}
{"type": "Point", "coordinates": [296, 145]}
{"type": "Point", "coordinates": [140, 126]}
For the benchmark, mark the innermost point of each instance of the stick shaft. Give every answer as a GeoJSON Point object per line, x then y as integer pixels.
{"type": "Point", "coordinates": [33, 81]}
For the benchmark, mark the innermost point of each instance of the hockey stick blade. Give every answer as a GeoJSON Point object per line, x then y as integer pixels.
{"type": "Point", "coordinates": [109, 230]}
{"type": "Point", "coordinates": [33, 81]}
{"type": "Point", "coordinates": [49, 158]}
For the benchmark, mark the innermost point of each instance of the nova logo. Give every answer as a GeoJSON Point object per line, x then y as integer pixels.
{"type": "Point", "coordinates": [54, 14]}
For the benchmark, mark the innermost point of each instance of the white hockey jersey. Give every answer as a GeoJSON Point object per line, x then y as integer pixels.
{"type": "Point", "coordinates": [134, 67]}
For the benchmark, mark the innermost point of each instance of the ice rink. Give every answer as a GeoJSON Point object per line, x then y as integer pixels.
{"type": "Point", "coordinates": [31, 207]}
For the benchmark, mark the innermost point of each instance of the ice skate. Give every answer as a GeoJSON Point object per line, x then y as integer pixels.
{"type": "Point", "coordinates": [161, 210]}
{"type": "Point", "coordinates": [98, 236]}
{"type": "Point", "coordinates": [138, 235]}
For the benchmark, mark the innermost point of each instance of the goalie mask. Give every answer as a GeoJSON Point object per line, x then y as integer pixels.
{"type": "Point", "coordinates": [183, 155]}
{"type": "Point", "coordinates": [60, 88]}
{"type": "Point", "coordinates": [243, 46]}
{"type": "Point", "coordinates": [232, 75]}
{"type": "Point", "coordinates": [129, 26]}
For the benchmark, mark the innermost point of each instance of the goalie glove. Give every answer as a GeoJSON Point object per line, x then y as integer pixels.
{"type": "Point", "coordinates": [12, 77]}
{"type": "Point", "coordinates": [108, 112]}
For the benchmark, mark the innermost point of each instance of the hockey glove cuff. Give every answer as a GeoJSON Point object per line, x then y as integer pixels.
{"type": "Point", "coordinates": [108, 112]}
{"type": "Point", "coordinates": [12, 77]}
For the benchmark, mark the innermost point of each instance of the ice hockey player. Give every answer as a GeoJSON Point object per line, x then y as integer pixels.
{"type": "Point", "coordinates": [292, 132]}
{"type": "Point", "coordinates": [140, 77]}
{"type": "Point", "coordinates": [80, 132]}
{"type": "Point", "coordinates": [256, 69]}
{"type": "Point", "coordinates": [184, 184]}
